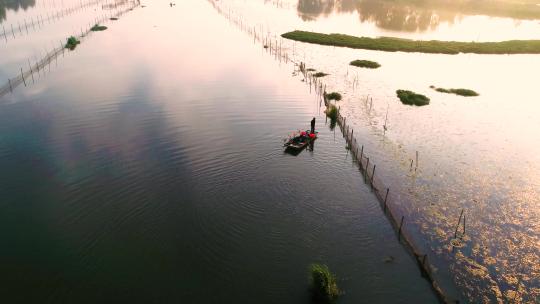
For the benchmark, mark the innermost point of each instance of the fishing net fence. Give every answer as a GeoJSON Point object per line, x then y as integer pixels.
{"type": "Point", "coordinates": [26, 75]}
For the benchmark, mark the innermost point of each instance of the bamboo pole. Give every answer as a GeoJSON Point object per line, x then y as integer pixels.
{"type": "Point", "coordinates": [457, 225]}
{"type": "Point", "coordinates": [372, 175]}
{"type": "Point", "coordinates": [22, 75]}
{"type": "Point", "coordinates": [400, 225]}
{"type": "Point", "coordinates": [385, 198]}
{"type": "Point", "coordinates": [367, 167]}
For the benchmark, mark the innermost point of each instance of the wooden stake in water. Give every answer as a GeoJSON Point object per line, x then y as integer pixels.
{"type": "Point", "coordinates": [367, 167]}
{"type": "Point", "coordinates": [385, 198]}
{"type": "Point", "coordinates": [22, 75]}
{"type": "Point", "coordinates": [386, 118]}
{"type": "Point", "coordinates": [372, 175]}
{"type": "Point", "coordinates": [457, 225]}
{"type": "Point", "coordinates": [400, 225]}
{"type": "Point", "coordinates": [31, 71]}
{"type": "Point", "coordinates": [464, 218]}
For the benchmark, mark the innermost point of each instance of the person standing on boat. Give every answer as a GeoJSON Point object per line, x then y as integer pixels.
{"type": "Point", "coordinates": [313, 126]}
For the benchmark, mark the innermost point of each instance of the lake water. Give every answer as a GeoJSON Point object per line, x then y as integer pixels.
{"type": "Point", "coordinates": [480, 154]}
{"type": "Point", "coordinates": [146, 166]}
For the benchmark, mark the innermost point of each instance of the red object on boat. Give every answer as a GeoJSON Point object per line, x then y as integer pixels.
{"type": "Point", "coordinates": [303, 133]}
{"type": "Point", "coordinates": [311, 135]}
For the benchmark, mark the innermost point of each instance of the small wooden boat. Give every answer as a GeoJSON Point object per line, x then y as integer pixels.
{"type": "Point", "coordinates": [300, 140]}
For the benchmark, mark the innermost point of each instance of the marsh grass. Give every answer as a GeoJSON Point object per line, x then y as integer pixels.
{"type": "Point", "coordinates": [365, 64]}
{"type": "Point", "coordinates": [323, 284]}
{"type": "Point", "coordinates": [333, 96]}
{"type": "Point", "coordinates": [460, 92]}
{"type": "Point", "coordinates": [72, 43]}
{"type": "Point", "coordinates": [391, 44]}
{"type": "Point", "coordinates": [320, 74]}
{"type": "Point", "coordinates": [311, 70]}
{"type": "Point", "coordinates": [411, 98]}
{"type": "Point", "coordinates": [98, 28]}
{"type": "Point", "coordinates": [332, 112]}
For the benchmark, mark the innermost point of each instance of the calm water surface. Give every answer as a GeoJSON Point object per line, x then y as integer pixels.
{"type": "Point", "coordinates": [146, 166]}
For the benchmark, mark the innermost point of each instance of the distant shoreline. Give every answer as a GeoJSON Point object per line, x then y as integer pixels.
{"type": "Point", "coordinates": [392, 44]}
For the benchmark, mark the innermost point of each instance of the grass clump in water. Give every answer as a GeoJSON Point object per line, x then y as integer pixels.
{"type": "Point", "coordinates": [392, 44]}
{"type": "Point", "coordinates": [365, 64]}
{"type": "Point", "coordinates": [460, 92]}
{"type": "Point", "coordinates": [114, 18]}
{"type": "Point", "coordinates": [333, 96]}
{"type": "Point", "coordinates": [320, 74]}
{"type": "Point", "coordinates": [98, 28]}
{"type": "Point", "coordinates": [332, 112]}
{"type": "Point", "coordinates": [311, 70]}
{"type": "Point", "coordinates": [411, 98]}
{"type": "Point", "coordinates": [323, 284]}
{"type": "Point", "coordinates": [72, 43]}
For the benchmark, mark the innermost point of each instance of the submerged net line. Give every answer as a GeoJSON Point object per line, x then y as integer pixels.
{"type": "Point", "coordinates": [388, 200]}
{"type": "Point", "coordinates": [27, 75]}
{"type": "Point", "coordinates": [39, 22]}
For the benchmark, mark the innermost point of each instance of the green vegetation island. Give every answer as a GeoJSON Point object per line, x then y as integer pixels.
{"type": "Point", "coordinates": [391, 44]}
{"type": "Point", "coordinates": [320, 74]}
{"type": "Point", "coordinates": [365, 64]}
{"type": "Point", "coordinates": [333, 96]}
{"type": "Point", "coordinates": [460, 92]}
{"type": "Point", "coordinates": [323, 283]}
{"type": "Point", "coordinates": [332, 112]}
{"type": "Point", "coordinates": [412, 99]}
{"type": "Point", "coordinates": [72, 43]}
{"type": "Point", "coordinates": [98, 28]}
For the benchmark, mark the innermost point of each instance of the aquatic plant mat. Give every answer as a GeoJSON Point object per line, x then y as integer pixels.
{"type": "Point", "coordinates": [460, 92]}
{"type": "Point", "coordinates": [323, 284]}
{"type": "Point", "coordinates": [320, 74]}
{"type": "Point", "coordinates": [72, 43]}
{"type": "Point", "coordinates": [98, 28]}
{"type": "Point", "coordinates": [333, 96]}
{"type": "Point", "coordinates": [411, 98]}
{"type": "Point", "coordinates": [390, 44]}
{"type": "Point", "coordinates": [365, 64]}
